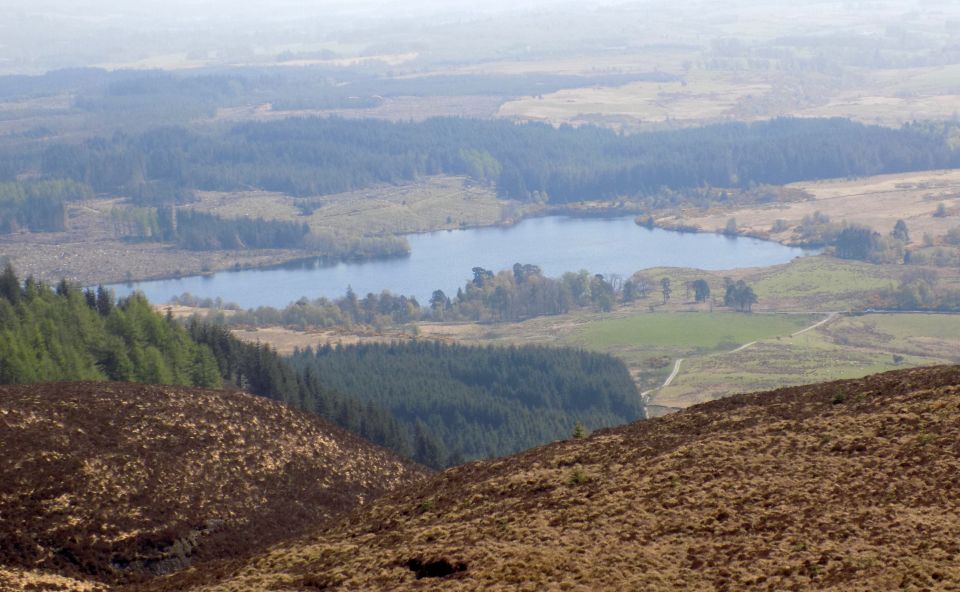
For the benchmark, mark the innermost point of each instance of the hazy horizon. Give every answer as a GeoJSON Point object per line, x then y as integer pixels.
{"type": "Point", "coordinates": [52, 34]}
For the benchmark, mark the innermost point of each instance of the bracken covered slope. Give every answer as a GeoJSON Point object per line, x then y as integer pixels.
{"type": "Point", "coordinates": [125, 481]}
{"type": "Point", "coordinates": [851, 485]}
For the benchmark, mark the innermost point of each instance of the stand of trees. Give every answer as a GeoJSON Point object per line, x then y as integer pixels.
{"type": "Point", "coordinates": [69, 334]}
{"type": "Point", "coordinates": [436, 404]}
{"type": "Point", "coordinates": [151, 95]}
{"type": "Point", "coordinates": [853, 241]}
{"type": "Point", "coordinates": [865, 244]}
{"type": "Point", "coordinates": [200, 231]}
{"type": "Point", "coordinates": [479, 401]}
{"type": "Point", "coordinates": [304, 157]}
{"type": "Point", "coordinates": [922, 289]}
{"type": "Point", "coordinates": [511, 295]}
{"type": "Point", "coordinates": [740, 296]}
{"type": "Point", "coordinates": [260, 370]}
{"type": "Point", "coordinates": [38, 206]}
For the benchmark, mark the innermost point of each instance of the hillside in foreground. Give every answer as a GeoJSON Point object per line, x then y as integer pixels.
{"type": "Point", "coordinates": [851, 485]}
{"type": "Point", "coordinates": [112, 482]}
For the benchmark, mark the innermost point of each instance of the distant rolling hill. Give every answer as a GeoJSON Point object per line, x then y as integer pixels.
{"type": "Point", "coordinates": [116, 483]}
{"type": "Point", "coordinates": [851, 485]}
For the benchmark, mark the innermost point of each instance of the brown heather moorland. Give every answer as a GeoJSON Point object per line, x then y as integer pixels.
{"type": "Point", "coordinates": [111, 483]}
{"type": "Point", "coordinates": [851, 485]}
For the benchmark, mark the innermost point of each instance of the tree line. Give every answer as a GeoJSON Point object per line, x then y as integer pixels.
{"type": "Point", "coordinates": [479, 402]}
{"type": "Point", "coordinates": [259, 369]}
{"type": "Point", "coordinates": [38, 205]}
{"type": "Point", "coordinates": [531, 161]}
{"type": "Point", "coordinates": [434, 403]}
{"type": "Point", "coordinates": [201, 231]}
{"type": "Point", "coordinates": [519, 293]}
{"type": "Point", "coordinates": [855, 241]}
{"type": "Point", "coordinates": [183, 96]}
{"type": "Point", "coordinates": [65, 333]}
{"type": "Point", "coordinates": [920, 289]}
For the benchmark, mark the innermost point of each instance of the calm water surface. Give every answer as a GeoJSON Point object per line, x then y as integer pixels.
{"type": "Point", "coordinates": [444, 260]}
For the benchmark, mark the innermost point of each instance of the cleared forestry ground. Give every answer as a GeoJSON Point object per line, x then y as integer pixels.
{"type": "Point", "coordinates": [91, 252]}
{"type": "Point", "coordinates": [431, 203]}
{"type": "Point", "coordinates": [399, 108]}
{"type": "Point", "coordinates": [895, 96]}
{"type": "Point", "coordinates": [877, 202]}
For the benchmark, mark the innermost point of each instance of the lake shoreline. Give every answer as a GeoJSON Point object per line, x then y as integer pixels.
{"type": "Point", "coordinates": [605, 244]}
{"type": "Point", "coordinates": [209, 263]}
{"type": "Point", "coordinates": [288, 257]}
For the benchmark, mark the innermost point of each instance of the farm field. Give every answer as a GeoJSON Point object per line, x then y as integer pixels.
{"type": "Point", "coordinates": [683, 333]}
{"type": "Point", "coordinates": [877, 202]}
{"type": "Point", "coordinates": [806, 284]}
{"type": "Point", "coordinates": [848, 347]}
{"type": "Point", "coordinates": [714, 366]}
{"type": "Point", "coordinates": [650, 336]}
{"type": "Point", "coordinates": [822, 284]}
{"type": "Point", "coordinates": [647, 342]}
{"type": "Point", "coordinates": [715, 362]}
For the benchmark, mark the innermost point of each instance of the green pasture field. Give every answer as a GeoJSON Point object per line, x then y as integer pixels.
{"type": "Point", "coordinates": [845, 347]}
{"type": "Point", "coordinates": [822, 283]}
{"type": "Point", "coordinates": [692, 332]}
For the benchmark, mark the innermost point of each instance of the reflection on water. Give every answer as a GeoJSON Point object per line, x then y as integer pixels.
{"type": "Point", "coordinates": [444, 260]}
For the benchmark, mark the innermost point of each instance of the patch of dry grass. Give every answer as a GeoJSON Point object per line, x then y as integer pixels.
{"type": "Point", "coordinates": [14, 579]}
{"type": "Point", "coordinates": [701, 97]}
{"type": "Point", "coordinates": [839, 486]}
{"type": "Point", "coordinates": [432, 203]}
{"type": "Point", "coordinates": [877, 202]}
{"type": "Point", "coordinates": [118, 481]}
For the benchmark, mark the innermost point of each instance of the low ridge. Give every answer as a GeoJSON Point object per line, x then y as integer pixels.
{"type": "Point", "coordinates": [851, 485]}
{"type": "Point", "coordinates": [113, 482]}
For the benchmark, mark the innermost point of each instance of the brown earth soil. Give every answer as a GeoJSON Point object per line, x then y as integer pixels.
{"type": "Point", "coordinates": [118, 482]}
{"type": "Point", "coordinates": [851, 485]}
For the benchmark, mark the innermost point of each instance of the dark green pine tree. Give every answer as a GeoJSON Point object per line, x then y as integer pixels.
{"type": "Point", "coordinates": [9, 284]}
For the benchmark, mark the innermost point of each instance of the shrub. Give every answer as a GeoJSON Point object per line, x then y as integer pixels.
{"type": "Point", "coordinates": [578, 477]}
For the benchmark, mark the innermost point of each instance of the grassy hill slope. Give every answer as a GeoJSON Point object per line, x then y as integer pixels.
{"type": "Point", "coordinates": [119, 482]}
{"type": "Point", "coordinates": [851, 485]}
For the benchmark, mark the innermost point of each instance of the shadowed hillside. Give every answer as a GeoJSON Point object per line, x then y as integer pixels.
{"type": "Point", "coordinates": [116, 482]}
{"type": "Point", "coordinates": [851, 485]}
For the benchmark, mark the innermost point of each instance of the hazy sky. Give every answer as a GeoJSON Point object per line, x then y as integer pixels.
{"type": "Point", "coordinates": [271, 9]}
{"type": "Point", "coordinates": [38, 35]}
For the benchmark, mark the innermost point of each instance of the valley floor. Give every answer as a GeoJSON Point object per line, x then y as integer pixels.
{"type": "Point", "coordinates": [798, 334]}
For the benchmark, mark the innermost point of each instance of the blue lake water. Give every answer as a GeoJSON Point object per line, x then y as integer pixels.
{"type": "Point", "coordinates": [444, 260]}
